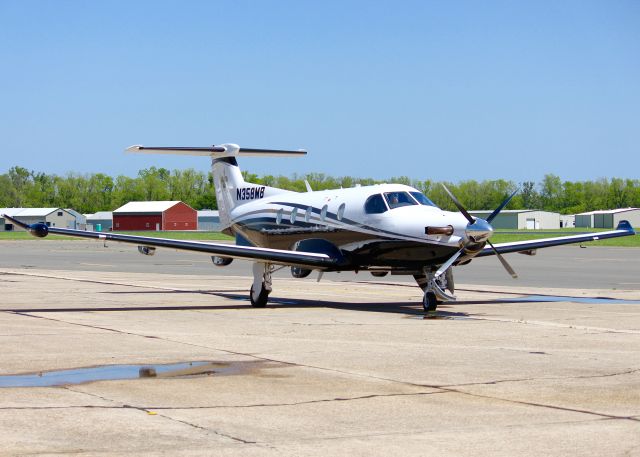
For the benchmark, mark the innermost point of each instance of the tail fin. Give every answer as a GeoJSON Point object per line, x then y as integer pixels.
{"type": "Point", "coordinates": [231, 188]}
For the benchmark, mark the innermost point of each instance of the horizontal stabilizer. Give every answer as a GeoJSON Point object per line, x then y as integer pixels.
{"type": "Point", "coordinates": [222, 150]}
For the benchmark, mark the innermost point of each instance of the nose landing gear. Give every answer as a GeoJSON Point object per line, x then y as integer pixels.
{"type": "Point", "coordinates": [436, 290]}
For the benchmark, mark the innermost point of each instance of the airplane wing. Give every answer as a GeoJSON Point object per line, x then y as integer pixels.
{"type": "Point", "coordinates": [311, 260]}
{"type": "Point", "coordinates": [623, 229]}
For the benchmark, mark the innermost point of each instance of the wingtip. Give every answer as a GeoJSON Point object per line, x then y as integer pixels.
{"type": "Point", "coordinates": [38, 230]}
{"type": "Point", "coordinates": [134, 148]}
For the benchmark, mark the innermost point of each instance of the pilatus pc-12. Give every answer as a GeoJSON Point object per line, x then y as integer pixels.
{"type": "Point", "coordinates": [385, 228]}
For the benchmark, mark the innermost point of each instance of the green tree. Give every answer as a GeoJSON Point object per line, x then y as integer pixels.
{"type": "Point", "coordinates": [21, 182]}
{"type": "Point", "coordinates": [530, 197]}
{"type": "Point", "coordinates": [155, 183]}
{"type": "Point", "coordinates": [551, 192]}
{"type": "Point", "coordinates": [8, 193]}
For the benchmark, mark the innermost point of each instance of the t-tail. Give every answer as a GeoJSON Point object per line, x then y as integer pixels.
{"type": "Point", "coordinates": [231, 188]}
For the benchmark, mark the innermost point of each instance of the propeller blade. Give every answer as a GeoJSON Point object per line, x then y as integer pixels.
{"type": "Point", "coordinates": [448, 263]}
{"type": "Point", "coordinates": [459, 205]}
{"type": "Point", "coordinates": [503, 261]}
{"type": "Point", "coordinates": [501, 207]}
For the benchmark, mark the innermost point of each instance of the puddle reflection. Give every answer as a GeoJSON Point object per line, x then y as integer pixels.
{"type": "Point", "coordinates": [119, 372]}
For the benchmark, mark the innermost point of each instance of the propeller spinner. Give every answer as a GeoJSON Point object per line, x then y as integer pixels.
{"type": "Point", "coordinates": [478, 230]}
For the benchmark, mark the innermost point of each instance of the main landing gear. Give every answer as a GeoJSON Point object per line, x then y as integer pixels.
{"type": "Point", "coordinates": [261, 287]}
{"type": "Point", "coordinates": [436, 290]}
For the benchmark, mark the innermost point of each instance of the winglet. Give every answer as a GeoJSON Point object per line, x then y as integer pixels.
{"type": "Point", "coordinates": [39, 230]}
{"type": "Point", "coordinates": [625, 225]}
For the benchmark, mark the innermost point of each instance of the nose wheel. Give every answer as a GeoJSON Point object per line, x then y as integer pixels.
{"type": "Point", "coordinates": [437, 289]}
{"type": "Point", "coordinates": [429, 302]}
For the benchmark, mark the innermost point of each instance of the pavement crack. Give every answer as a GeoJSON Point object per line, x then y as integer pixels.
{"type": "Point", "coordinates": [145, 409]}
{"type": "Point", "coordinates": [110, 400]}
{"type": "Point", "coordinates": [550, 378]}
{"type": "Point", "coordinates": [301, 403]}
{"type": "Point", "coordinates": [96, 327]}
{"type": "Point", "coordinates": [199, 427]}
{"type": "Point", "coordinates": [539, 405]}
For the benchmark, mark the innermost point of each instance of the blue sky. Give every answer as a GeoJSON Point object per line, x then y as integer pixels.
{"type": "Point", "coordinates": [430, 90]}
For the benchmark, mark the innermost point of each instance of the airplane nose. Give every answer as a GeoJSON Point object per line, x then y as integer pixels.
{"type": "Point", "coordinates": [479, 231]}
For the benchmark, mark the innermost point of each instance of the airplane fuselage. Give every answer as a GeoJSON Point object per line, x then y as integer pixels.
{"type": "Point", "coordinates": [376, 235]}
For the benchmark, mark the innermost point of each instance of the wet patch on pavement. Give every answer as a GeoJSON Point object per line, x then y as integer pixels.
{"type": "Point", "coordinates": [559, 298]}
{"type": "Point", "coordinates": [135, 371]}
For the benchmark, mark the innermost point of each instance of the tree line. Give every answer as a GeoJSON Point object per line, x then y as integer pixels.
{"type": "Point", "coordinates": [88, 193]}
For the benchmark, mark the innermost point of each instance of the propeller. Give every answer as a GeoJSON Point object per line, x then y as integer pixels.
{"type": "Point", "coordinates": [459, 205]}
{"type": "Point", "coordinates": [493, 215]}
{"type": "Point", "coordinates": [478, 229]}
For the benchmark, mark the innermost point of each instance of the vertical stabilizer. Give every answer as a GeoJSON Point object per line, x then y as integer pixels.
{"type": "Point", "coordinates": [231, 188]}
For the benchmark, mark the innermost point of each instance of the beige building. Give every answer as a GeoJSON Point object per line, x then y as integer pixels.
{"type": "Point", "coordinates": [53, 217]}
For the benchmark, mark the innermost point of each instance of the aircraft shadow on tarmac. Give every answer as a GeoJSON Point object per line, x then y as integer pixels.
{"type": "Point", "coordinates": [407, 308]}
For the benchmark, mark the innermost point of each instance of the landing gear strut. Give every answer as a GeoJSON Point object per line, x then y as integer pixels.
{"type": "Point", "coordinates": [436, 290]}
{"type": "Point", "coordinates": [261, 287]}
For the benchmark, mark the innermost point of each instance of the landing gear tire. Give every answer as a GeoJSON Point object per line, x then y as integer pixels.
{"type": "Point", "coordinates": [261, 301]}
{"type": "Point", "coordinates": [429, 302]}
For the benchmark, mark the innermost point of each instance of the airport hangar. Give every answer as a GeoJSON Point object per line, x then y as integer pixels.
{"type": "Point", "coordinates": [155, 215]}
{"type": "Point", "coordinates": [209, 220]}
{"type": "Point", "coordinates": [520, 219]}
{"type": "Point", "coordinates": [101, 221]}
{"type": "Point", "coordinates": [53, 217]}
{"type": "Point", "coordinates": [608, 218]}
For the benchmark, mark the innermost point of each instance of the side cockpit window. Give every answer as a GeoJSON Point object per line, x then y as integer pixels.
{"type": "Point", "coordinates": [375, 205]}
{"type": "Point", "coordinates": [398, 199]}
{"type": "Point", "coordinates": [422, 199]}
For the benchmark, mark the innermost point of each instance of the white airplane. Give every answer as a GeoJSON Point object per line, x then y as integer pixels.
{"type": "Point", "coordinates": [385, 228]}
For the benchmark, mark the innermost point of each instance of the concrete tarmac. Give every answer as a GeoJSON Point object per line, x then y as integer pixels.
{"type": "Point", "coordinates": [563, 266]}
{"type": "Point", "coordinates": [341, 367]}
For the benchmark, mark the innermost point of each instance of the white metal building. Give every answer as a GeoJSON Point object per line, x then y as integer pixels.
{"type": "Point", "coordinates": [520, 219]}
{"type": "Point", "coordinates": [608, 218]}
{"type": "Point", "coordinates": [209, 220]}
{"type": "Point", "coordinates": [567, 220]}
{"type": "Point", "coordinates": [81, 219]}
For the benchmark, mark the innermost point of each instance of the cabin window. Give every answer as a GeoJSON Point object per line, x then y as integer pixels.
{"type": "Point", "coordinates": [279, 216]}
{"type": "Point", "coordinates": [375, 205]}
{"type": "Point", "coordinates": [146, 225]}
{"type": "Point", "coordinates": [293, 216]}
{"type": "Point", "coordinates": [307, 214]}
{"type": "Point", "coordinates": [398, 199]}
{"type": "Point", "coordinates": [422, 199]}
{"type": "Point", "coordinates": [341, 211]}
{"type": "Point", "coordinates": [60, 213]}
{"type": "Point", "coordinates": [323, 212]}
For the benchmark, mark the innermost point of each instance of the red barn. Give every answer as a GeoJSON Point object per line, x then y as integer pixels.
{"type": "Point", "coordinates": [173, 215]}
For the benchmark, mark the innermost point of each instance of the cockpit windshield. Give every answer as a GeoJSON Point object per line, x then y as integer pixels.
{"type": "Point", "coordinates": [398, 199]}
{"type": "Point", "coordinates": [422, 199]}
